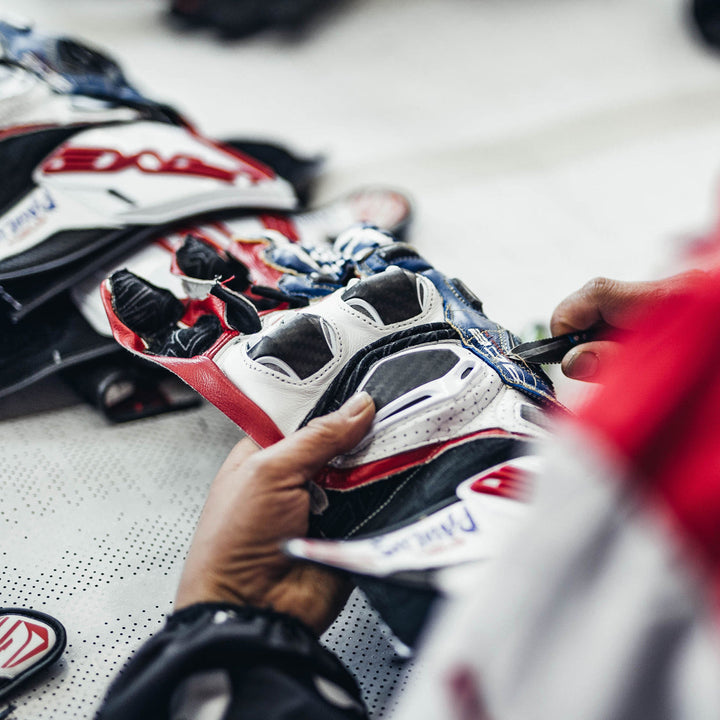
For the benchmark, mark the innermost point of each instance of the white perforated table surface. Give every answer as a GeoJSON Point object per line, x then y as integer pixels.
{"type": "Point", "coordinates": [96, 521]}
{"type": "Point", "coordinates": [544, 142]}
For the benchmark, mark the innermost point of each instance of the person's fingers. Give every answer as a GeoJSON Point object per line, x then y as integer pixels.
{"type": "Point", "coordinates": [577, 311]}
{"type": "Point", "coordinates": [616, 303]}
{"type": "Point", "coordinates": [600, 300]}
{"type": "Point", "coordinates": [300, 456]}
{"type": "Point", "coordinates": [587, 361]}
{"type": "Point", "coordinates": [258, 498]}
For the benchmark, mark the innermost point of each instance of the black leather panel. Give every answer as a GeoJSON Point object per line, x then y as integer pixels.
{"type": "Point", "coordinates": [393, 295]}
{"type": "Point", "coordinates": [398, 375]}
{"type": "Point", "coordinates": [300, 344]}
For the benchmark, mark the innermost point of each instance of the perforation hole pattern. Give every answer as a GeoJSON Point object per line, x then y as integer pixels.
{"type": "Point", "coordinates": [95, 521]}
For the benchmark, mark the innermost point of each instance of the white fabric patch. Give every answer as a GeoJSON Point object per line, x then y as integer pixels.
{"type": "Point", "coordinates": [205, 696]}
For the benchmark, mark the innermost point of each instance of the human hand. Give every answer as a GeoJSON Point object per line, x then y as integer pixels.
{"type": "Point", "coordinates": [615, 306]}
{"type": "Point", "coordinates": [258, 499]}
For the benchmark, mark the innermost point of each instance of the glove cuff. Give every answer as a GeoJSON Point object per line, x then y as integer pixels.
{"type": "Point", "coordinates": [237, 639]}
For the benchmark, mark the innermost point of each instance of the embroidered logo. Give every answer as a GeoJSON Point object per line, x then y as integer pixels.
{"type": "Point", "coordinates": [69, 159]}
{"type": "Point", "coordinates": [21, 641]}
{"type": "Point", "coordinates": [29, 641]}
{"type": "Point", "coordinates": [23, 220]}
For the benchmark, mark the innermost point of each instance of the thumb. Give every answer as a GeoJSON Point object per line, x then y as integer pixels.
{"type": "Point", "coordinates": [590, 360]}
{"type": "Point", "coordinates": [308, 450]}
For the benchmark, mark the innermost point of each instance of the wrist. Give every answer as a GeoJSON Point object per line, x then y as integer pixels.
{"type": "Point", "coordinates": [191, 593]}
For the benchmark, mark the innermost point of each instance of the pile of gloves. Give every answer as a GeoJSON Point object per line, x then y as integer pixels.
{"type": "Point", "coordinates": [96, 175]}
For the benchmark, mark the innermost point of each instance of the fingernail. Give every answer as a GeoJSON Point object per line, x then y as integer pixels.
{"type": "Point", "coordinates": [357, 404]}
{"type": "Point", "coordinates": [581, 365]}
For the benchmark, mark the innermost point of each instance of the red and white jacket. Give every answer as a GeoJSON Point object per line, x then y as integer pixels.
{"type": "Point", "coordinates": [607, 607]}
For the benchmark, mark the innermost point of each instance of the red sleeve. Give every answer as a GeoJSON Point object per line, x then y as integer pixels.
{"type": "Point", "coordinates": [660, 409]}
